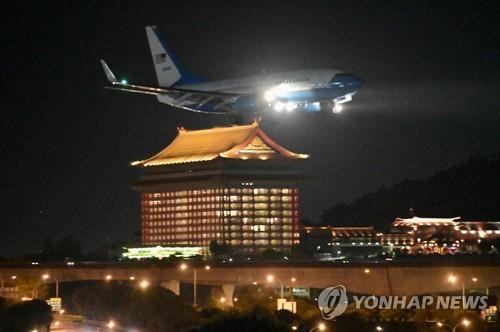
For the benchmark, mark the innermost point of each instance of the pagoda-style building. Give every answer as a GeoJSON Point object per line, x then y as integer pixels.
{"type": "Point", "coordinates": [234, 185]}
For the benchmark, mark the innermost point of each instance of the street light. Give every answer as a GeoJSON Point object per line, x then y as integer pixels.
{"type": "Point", "coordinates": [46, 277]}
{"type": "Point", "coordinates": [111, 324]}
{"type": "Point", "coordinates": [320, 327]}
{"type": "Point", "coordinates": [453, 279]}
{"type": "Point", "coordinates": [270, 279]}
{"type": "Point", "coordinates": [465, 322]}
{"type": "Point", "coordinates": [3, 282]}
{"type": "Point", "coordinates": [109, 277]}
{"type": "Point", "coordinates": [379, 328]}
{"type": "Point", "coordinates": [144, 284]}
{"type": "Point", "coordinates": [184, 267]}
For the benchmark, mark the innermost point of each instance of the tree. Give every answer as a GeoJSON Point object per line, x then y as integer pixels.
{"type": "Point", "coordinates": [69, 247]}
{"type": "Point", "coordinates": [48, 250]}
{"type": "Point", "coordinates": [26, 316]}
{"type": "Point", "coordinates": [270, 254]}
{"type": "Point", "coordinates": [32, 287]}
{"type": "Point", "coordinates": [154, 309]}
{"type": "Point", "coordinates": [259, 318]}
{"type": "Point", "coordinates": [217, 250]}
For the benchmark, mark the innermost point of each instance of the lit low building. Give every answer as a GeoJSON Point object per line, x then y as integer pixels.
{"type": "Point", "coordinates": [445, 235]}
{"type": "Point", "coordinates": [232, 185]}
{"type": "Point", "coordinates": [355, 242]}
{"type": "Point", "coordinates": [342, 242]}
{"type": "Point", "coordinates": [354, 236]}
{"type": "Point", "coordinates": [160, 252]}
{"type": "Point", "coordinates": [411, 235]}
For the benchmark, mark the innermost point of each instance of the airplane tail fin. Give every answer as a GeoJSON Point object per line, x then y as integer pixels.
{"type": "Point", "coordinates": [169, 70]}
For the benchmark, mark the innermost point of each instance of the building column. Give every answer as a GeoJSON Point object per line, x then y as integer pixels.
{"type": "Point", "coordinates": [228, 290]}
{"type": "Point", "coordinates": [173, 285]}
{"type": "Point", "coordinates": [225, 291]}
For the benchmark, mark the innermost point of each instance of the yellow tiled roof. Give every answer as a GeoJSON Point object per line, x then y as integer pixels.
{"type": "Point", "coordinates": [237, 142]}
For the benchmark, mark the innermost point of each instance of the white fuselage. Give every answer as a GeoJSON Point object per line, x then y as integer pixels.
{"type": "Point", "coordinates": [295, 80]}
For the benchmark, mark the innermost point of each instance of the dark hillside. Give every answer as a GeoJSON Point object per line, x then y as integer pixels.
{"type": "Point", "coordinates": [470, 190]}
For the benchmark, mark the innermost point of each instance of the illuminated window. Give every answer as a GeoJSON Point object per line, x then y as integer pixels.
{"type": "Point", "coordinates": [261, 206]}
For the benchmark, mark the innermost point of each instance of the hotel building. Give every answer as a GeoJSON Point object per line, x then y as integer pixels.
{"type": "Point", "coordinates": [234, 185]}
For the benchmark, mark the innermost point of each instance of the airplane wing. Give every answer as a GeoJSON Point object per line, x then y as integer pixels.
{"type": "Point", "coordinates": [191, 100]}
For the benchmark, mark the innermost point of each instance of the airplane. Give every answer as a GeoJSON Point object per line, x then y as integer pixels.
{"type": "Point", "coordinates": [310, 91]}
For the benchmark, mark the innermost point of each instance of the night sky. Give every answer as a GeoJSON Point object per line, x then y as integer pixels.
{"type": "Point", "coordinates": [430, 101]}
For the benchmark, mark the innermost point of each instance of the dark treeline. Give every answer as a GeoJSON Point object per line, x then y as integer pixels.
{"type": "Point", "coordinates": [69, 248]}
{"type": "Point", "coordinates": [470, 190]}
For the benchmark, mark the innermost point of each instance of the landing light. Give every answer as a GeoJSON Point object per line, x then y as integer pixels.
{"type": "Point", "coordinates": [337, 108]}
{"type": "Point", "coordinates": [269, 96]}
{"type": "Point", "coordinates": [290, 106]}
{"type": "Point", "coordinates": [279, 106]}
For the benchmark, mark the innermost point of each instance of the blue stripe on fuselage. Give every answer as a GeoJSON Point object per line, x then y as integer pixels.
{"type": "Point", "coordinates": [342, 84]}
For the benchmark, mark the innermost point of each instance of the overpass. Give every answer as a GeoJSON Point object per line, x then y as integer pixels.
{"type": "Point", "coordinates": [388, 278]}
